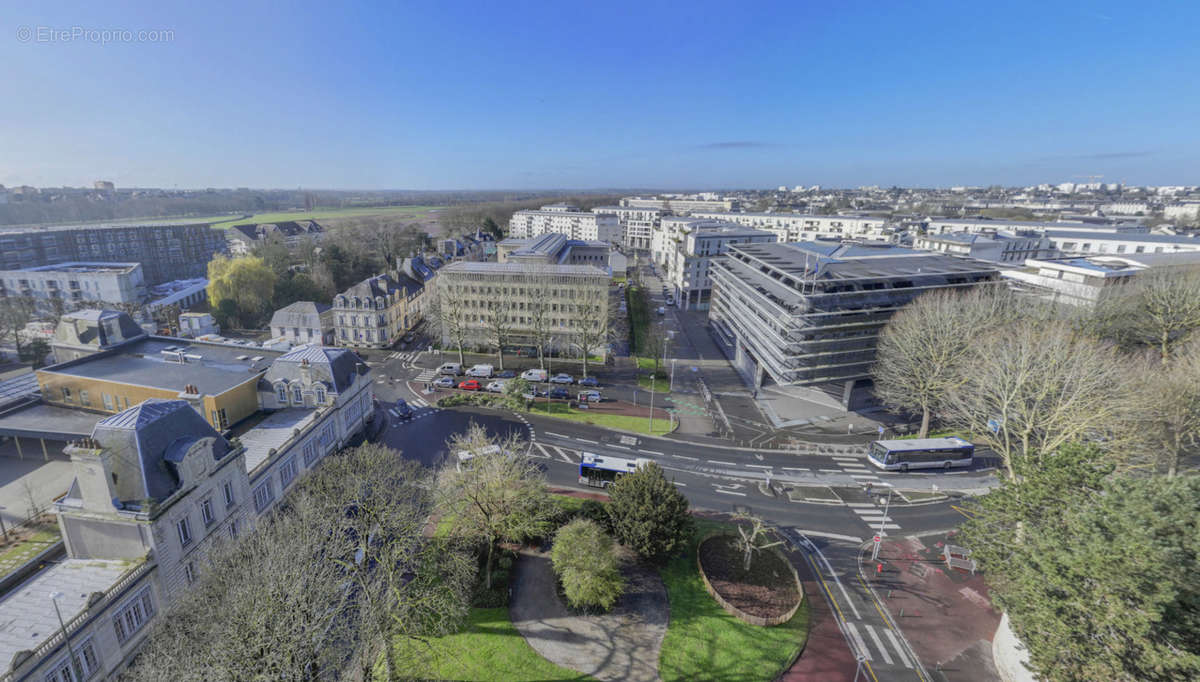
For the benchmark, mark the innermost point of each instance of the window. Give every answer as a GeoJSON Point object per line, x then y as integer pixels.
{"type": "Point", "coordinates": [263, 495]}
{"type": "Point", "coordinates": [297, 396]}
{"type": "Point", "coordinates": [228, 489]}
{"type": "Point", "coordinates": [190, 573]}
{"type": "Point", "coordinates": [108, 401]}
{"type": "Point", "coordinates": [320, 395]}
{"type": "Point", "coordinates": [233, 529]}
{"type": "Point", "coordinates": [83, 399]}
{"type": "Point", "coordinates": [185, 532]}
{"type": "Point", "coordinates": [310, 453]}
{"type": "Point", "coordinates": [84, 666]}
{"type": "Point", "coordinates": [281, 392]}
{"type": "Point", "coordinates": [287, 472]}
{"type": "Point", "coordinates": [66, 394]}
{"type": "Point", "coordinates": [133, 615]}
{"type": "Point", "coordinates": [206, 512]}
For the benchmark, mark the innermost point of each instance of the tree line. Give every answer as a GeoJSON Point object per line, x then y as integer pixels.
{"type": "Point", "coordinates": [1090, 542]}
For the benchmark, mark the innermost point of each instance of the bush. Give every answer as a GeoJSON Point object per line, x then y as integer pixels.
{"type": "Point", "coordinates": [596, 511]}
{"type": "Point", "coordinates": [584, 559]}
{"type": "Point", "coordinates": [649, 515]}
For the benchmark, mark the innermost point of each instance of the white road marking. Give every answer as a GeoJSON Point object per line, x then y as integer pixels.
{"type": "Point", "coordinates": [562, 454]}
{"type": "Point", "coordinates": [653, 452]}
{"type": "Point", "coordinates": [716, 461]}
{"type": "Point", "coordinates": [556, 435]}
{"type": "Point", "coordinates": [860, 504]}
{"type": "Point", "coordinates": [831, 471]}
{"type": "Point", "coordinates": [887, 658]}
{"type": "Point", "coordinates": [694, 459]}
{"type": "Point", "coordinates": [796, 469]}
{"type": "Point", "coordinates": [858, 641]}
{"type": "Point", "coordinates": [760, 466]}
{"type": "Point", "coordinates": [836, 579]}
{"type": "Point", "coordinates": [682, 485]}
{"type": "Point", "coordinates": [585, 440]}
{"type": "Point", "coordinates": [899, 649]}
{"type": "Point", "coordinates": [621, 447]}
{"type": "Point", "coordinates": [731, 492]}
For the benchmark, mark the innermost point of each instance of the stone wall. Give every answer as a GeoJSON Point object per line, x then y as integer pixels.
{"type": "Point", "coordinates": [740, 614]}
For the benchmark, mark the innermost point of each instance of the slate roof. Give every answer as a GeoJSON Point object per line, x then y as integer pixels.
{"type": "Point", "coordinates": [338, 368]}
{"type": "Point", "coordinates": [305, 314]}
{"type": "Point", "coordinates": [288, 228]}
{"type": "Point", "coordinates": [382, 285]}
{"type": "Point", "coordinates": [158, 431]}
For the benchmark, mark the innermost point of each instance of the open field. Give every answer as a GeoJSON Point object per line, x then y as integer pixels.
{"type": "Point", "coordinates": [413, 212]}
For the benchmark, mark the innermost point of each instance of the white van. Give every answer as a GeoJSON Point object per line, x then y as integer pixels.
{"type": "Point", "coordinates": [535, 375]}
{"type": "Point", "coordinates": [451, 368]}
{"type": "Point", "coordinates": [480, 371]}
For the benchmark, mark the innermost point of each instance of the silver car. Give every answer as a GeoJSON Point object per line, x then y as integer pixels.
{"type": "Point", "coordinates": [562, 379]}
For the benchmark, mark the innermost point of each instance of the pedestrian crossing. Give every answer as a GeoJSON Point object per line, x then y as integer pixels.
{"type": "Point", "coordinates": [857, 468]}
{"type": "Point", "coordinates": [426, 375]}
{"type": "Point", "coordinates": [405, 358]}
{"type": "Point", "coordinates": [873, 516]}
{"type": "Point", "coordinates": [554, 452]}
{"type": "Point", "coordinates": [873, 647]}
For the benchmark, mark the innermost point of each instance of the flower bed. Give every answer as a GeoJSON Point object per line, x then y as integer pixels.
{"type": "Point", "coordinates": [768, 594]}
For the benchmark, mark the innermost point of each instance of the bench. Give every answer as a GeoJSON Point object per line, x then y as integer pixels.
{"type": "Point", "coordinates": [958, 557]}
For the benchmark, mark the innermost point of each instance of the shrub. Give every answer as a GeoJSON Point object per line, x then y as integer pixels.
{"type": "Point", "coordinates": [594, 510]}
{"type": "Point", "coordinates": [649, 515]}
{"type": "Point", "coordinates": [584, 559]}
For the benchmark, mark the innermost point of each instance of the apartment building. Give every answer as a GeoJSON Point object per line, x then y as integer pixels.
{"type": "Point", "coordinates": [1187, 210]}
{"type": "Point", "coordinates": [304, 322]}
{"type": "Point", "coordinates": [1126, 208]}
{"type": "Point", "coordinates": [155, 487]}
{"type": "Point", "coordinates": [557, 249]}
{"type": "Point", "coordinates": [794, 227]}
{"type": "Point", "coordinates": [1082, 281]}
{"type": "Point", "coordinates": [76, 283]}
{"type": "Point", "coordinates": [165, 251]}
{"type": "Point", "coordinates": [243, 238]}
{"type": "Point", "coordinates": [808, 314]}
{"type": "Point", "coordinates": [688, 267]}
{"type": "Point", "coordinates": [671, 232]}
{"type": "Point", "coordinates": [565, 219]}
{"type": "Point", "coordinates": [561, 304]}
{"type": "Point", "coordinates": [1000, 247]}
{"type": "Point", "coordinates": [681, 204]}
{"type": "Point", "coordinates": [977, 225]}
{"type": "Point", "coordinates": [637, 223]}
{"type": "Point", "coordinates": [377, 312]}
{"type": "Point", "coordinates": [1091, 242]}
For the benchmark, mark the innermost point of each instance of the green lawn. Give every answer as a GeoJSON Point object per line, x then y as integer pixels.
{"type": "Point", "coordinates": [15, 555]}
{"type": "Point", "coordinates": [639, 316]}
{"type": "Point", "coordinates": [488, 648]}
{"type": "Point", "coordinates": [704, 642]}
{"type": "Point", "coordinates": [319, 213]}
{"type": "Point", "coordinates": [612, 421]}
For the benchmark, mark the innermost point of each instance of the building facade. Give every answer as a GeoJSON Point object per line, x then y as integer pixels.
{"type": "Point", "coordinates": [76, 283]}
{"type": "Point", "coordinates": [377, 312]}
{"type": "Point", "coordinates": [555, 249]}
{"type": "Point", "coordinates": [809, 313]}
{"type": "Point", "coordinates": [682, 205]}
{"type": "Point", "coordinates": [637, 223]}
{"type": "Point", "coordinates": [558, 305]}
{"type": "Point", "coordinates": [243, 238]}
{"type": "Point", "coordinates": [304, 322]}
{"type": "Point", "coordinates": [999, 247]}
{"type": "Point", "coordinates": [795, 227]}
{"type": "Point", "coordinates": [165, 251]}
{"type": "Point", "coordinates": [567, 220]}
{"type": "Point", "coordinates": [1083, 281]}
{"type": "Point", "coordinates": [688, 268]}
{"type": "Point", "coordinates": [1091, 242]}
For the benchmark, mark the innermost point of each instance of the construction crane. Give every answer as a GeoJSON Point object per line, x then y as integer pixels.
{"type": "Point", "coordinates": [1093, 178]}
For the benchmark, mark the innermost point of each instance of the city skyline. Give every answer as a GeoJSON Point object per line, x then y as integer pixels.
{"type": "Point", "coordinates": [432, 97]}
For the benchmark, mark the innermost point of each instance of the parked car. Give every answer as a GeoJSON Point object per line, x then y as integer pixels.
{"type": "Point", "coordinates": [481, 371]}
{"type": "Point", "coordinates": [589, 381]}
{"type": "Point", "coordinates": [562, 379]}
{"type": "Point", "coordinates": [450, 368]}
{"type": "Point", "coordinates": [534, 375]}
{"type": "Point", "coordinates": [496, 386]}
{"type": "Point", "coordinates": [590, 397]}
{"type": "Point", "coordinates": [559, 392]}
{"type": "Point", "coordinates": [662, 310]}
{"type": "Point", "coordinates": [444, 382]}
{"type": "Point", "coordinates": [403, 410]}
{"type": "Point", "coordinates": [470, 385]}
{"type": "Point", "coordinates": [506, 374]}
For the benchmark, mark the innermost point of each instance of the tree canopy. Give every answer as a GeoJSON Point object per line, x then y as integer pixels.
{"type": "Point", "coordinates": [649, 514]}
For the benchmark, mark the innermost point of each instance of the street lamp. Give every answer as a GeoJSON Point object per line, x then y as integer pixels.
{"type": "Point", "coordinates": [75, 667]}
{"type": "Point", "coordinates": [887, 505]}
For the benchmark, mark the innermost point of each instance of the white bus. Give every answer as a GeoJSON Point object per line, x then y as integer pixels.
{"type": "Point", "coordinates": [921, 453]}
{"type": "Point", "coordinates": [600, 471]}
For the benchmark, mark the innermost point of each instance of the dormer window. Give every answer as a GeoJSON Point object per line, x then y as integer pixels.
{"type": "Point", "coordinates": [297, 396]}
{"type": "Point", "coordinates": [320, 395]}
{"type": "Point", "coordinates": [281, 392]}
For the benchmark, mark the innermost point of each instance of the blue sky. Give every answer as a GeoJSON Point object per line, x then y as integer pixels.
{"type": "Point", "coordinates": [433, 95]}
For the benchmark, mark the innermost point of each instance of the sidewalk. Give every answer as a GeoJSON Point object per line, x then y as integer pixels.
{"type": "Point", "coordinates": [944, 613]}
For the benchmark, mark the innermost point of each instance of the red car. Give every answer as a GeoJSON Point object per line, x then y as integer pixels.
{"type": "Point", "coordinates": [470, 385]}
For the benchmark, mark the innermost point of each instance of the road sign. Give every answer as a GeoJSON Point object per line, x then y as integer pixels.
{"type": "Point", "coordinates": [881, 429]}
{"type": "Point", "coordinates": [994, 425]}
{"type": "Point", "coordinates": [878, 539]}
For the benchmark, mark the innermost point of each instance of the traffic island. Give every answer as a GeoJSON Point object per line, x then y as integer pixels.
{"type": "Point", "coordinates": [768, 593]}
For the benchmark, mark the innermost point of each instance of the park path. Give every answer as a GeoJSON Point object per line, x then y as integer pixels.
{"type": "Point", "coordinates": [620, 645]}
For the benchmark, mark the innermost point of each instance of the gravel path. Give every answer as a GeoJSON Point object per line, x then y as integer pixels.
{"type": "Point", "coordinates": [620, 645]}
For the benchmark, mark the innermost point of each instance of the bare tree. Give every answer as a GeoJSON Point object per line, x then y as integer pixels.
{"type": "Point", "coordinates": [499, 494]}
{"type": "Point", "coordinates": [752, 540]}
{"type": "Point", "coordinates": [1166, 412]}
{"type": "Point", "coordinates": [499, 327]}
{"type": "Point", "coordinates": [921, 350]}
{"type": "Point", "coordinates": [1033, 386]}
{"type": "Point", "coordinates": [592, 325]}
{"type": "Point", "coordinates": [1160, 309]}
{"type": "Point", "coordinates": [15, 313]}
{"type": "Point", "coordinates": [451, 316]}
{"type": "Point", "coordinates": [539, 296]}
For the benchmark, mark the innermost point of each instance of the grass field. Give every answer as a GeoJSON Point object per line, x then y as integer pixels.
{"type": "Point", "coordinates": [612, 421]}
{"type": "Point", "coordinates": [704, 642]}
{"type": "Point", "coordinates": [488, 648]}
{"type": "Point", "coordinates": [326, 213]}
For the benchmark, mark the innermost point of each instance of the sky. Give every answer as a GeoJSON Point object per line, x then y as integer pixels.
{"type": "Point", "coordinates": [601, 94]}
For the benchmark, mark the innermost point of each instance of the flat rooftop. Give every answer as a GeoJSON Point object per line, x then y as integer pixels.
{"type": "Point", "coordinates": [41, 420]}
{"type": "Point", "coordinates": [104, 226]}
{"type": "Point", "coordinates": [1124, 237]}
{"type": "Point", "coordinates": [83, 267]}
{"type": "Point", "coordinates": [520, 268]}
{"type": "Point", "coordinates": [171, 364]}
{"type": "Point", "coordinates": [792, 215]}
{"type": "Point", "coordinates": [260, 437]}
{"type": "Point", "coordinates": [27, 616]}
{"type": "Point", "coordinates": [835, 260]}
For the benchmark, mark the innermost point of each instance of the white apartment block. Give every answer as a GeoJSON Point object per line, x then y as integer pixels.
{"type": "Point", "coordinates": [76, 283]}
{"type": "Point", "coordinates": [795, 227]}
{"type": "Point", "coordinates": [1092, 243]}
{"type": "Point", "coordinates": [671, 232]}
{"type": "Point", "coordinates": [1000, 247]}
{"type": "Point", "coordinates": [567, 299]}
{"type": "Point", "coordinates": [977, 225]}
{"type": "Point", "coordinates": [1187, 210]}
{"type": "Point", "coordinates": [1126, 208]}
{"type": "Point", "coordinates": [637, 223]}
{"type": "Point", "coordinates": [682, 204]}
{"type": "Point", "coordinates": [565, 219]}
{"type": "Point", "coordinates": [687, 267]}
{"type": "Point", "coordinates": [1082, 281]}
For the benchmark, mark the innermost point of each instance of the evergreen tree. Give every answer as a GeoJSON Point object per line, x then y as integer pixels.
{"type": "Point", "coordinates": [649, 515]}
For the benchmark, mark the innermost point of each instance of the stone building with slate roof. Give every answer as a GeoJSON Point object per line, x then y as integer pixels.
{"type": "Point", "coordinates": [377, 311]}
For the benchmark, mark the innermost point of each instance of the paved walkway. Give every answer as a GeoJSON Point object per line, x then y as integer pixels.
{"type": "Point", "coordinates": [620, 645]}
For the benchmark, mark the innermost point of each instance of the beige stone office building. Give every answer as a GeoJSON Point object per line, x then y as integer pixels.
{"type": "Point", "coordinates": [559, 304]}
